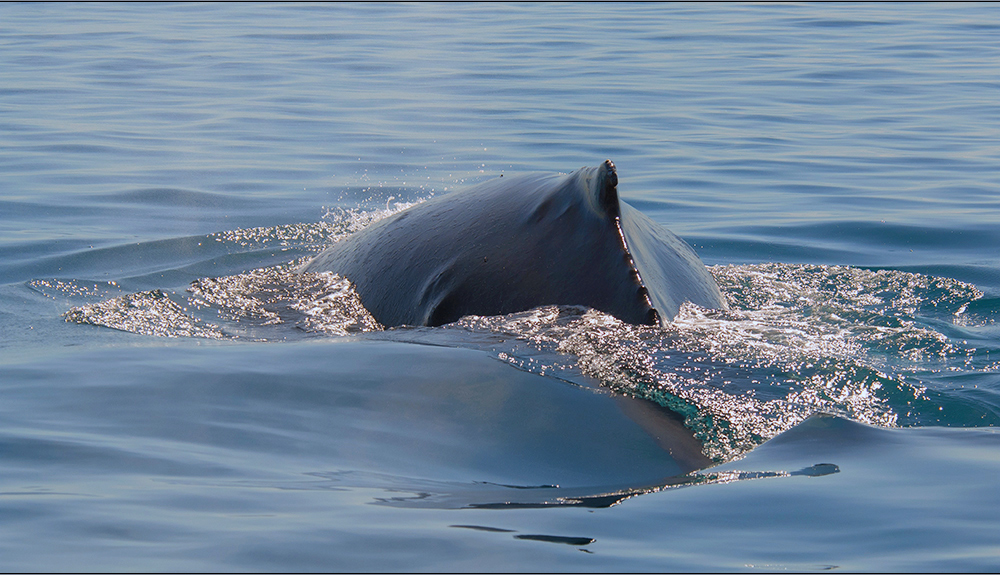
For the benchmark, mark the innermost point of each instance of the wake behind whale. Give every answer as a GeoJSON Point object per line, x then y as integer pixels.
{"type": "Point", "coordinates": [796, 339]}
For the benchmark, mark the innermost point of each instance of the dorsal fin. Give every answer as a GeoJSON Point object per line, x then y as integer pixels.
{"type": "Point", "coordinates": [608, 195]}
{"type": "Point", "coordinates": [602, 185]}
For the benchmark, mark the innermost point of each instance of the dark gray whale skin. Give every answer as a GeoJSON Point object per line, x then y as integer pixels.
{"type": "Point", "coordinates": [515, 243]}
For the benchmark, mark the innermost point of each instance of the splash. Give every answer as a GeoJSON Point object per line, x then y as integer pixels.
{"type": "Point", "coordinates": [244, 305]}
{"type": "Point", "coordinates": [878, 310]}
{"type": "Point", "coordinates": [313, 302]}
{"type": "Point", "coordinates": [797, 340]}
{"type": "Point", "coordinates": [146, 313]}
{"type": "Point", "coordinates": [337, 223]}
{"type": "Point", "coordinates": [239, 306]}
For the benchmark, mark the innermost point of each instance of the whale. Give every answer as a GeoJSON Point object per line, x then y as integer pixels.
{"type": "Point", "coordinates": [511, 244]}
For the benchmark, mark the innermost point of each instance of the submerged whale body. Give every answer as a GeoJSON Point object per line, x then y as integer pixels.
{"type": "Point", "coordinates": [515, 243]}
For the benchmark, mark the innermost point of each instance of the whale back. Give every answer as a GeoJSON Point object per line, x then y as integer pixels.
{"type": "Point", "coordinates": [515, 243]}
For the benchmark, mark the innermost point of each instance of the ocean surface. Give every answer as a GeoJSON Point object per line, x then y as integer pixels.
{"type": "Point", "coordinates": [174, 397]}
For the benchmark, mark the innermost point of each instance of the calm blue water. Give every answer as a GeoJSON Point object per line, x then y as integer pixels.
{"type": "Point", "coordinates": [173, 397]}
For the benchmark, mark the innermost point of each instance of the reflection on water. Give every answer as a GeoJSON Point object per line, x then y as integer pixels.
{"type": "Point", "coordinates": [491, 496]}
{"type": "Point", "coordinates": [165, 167]}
